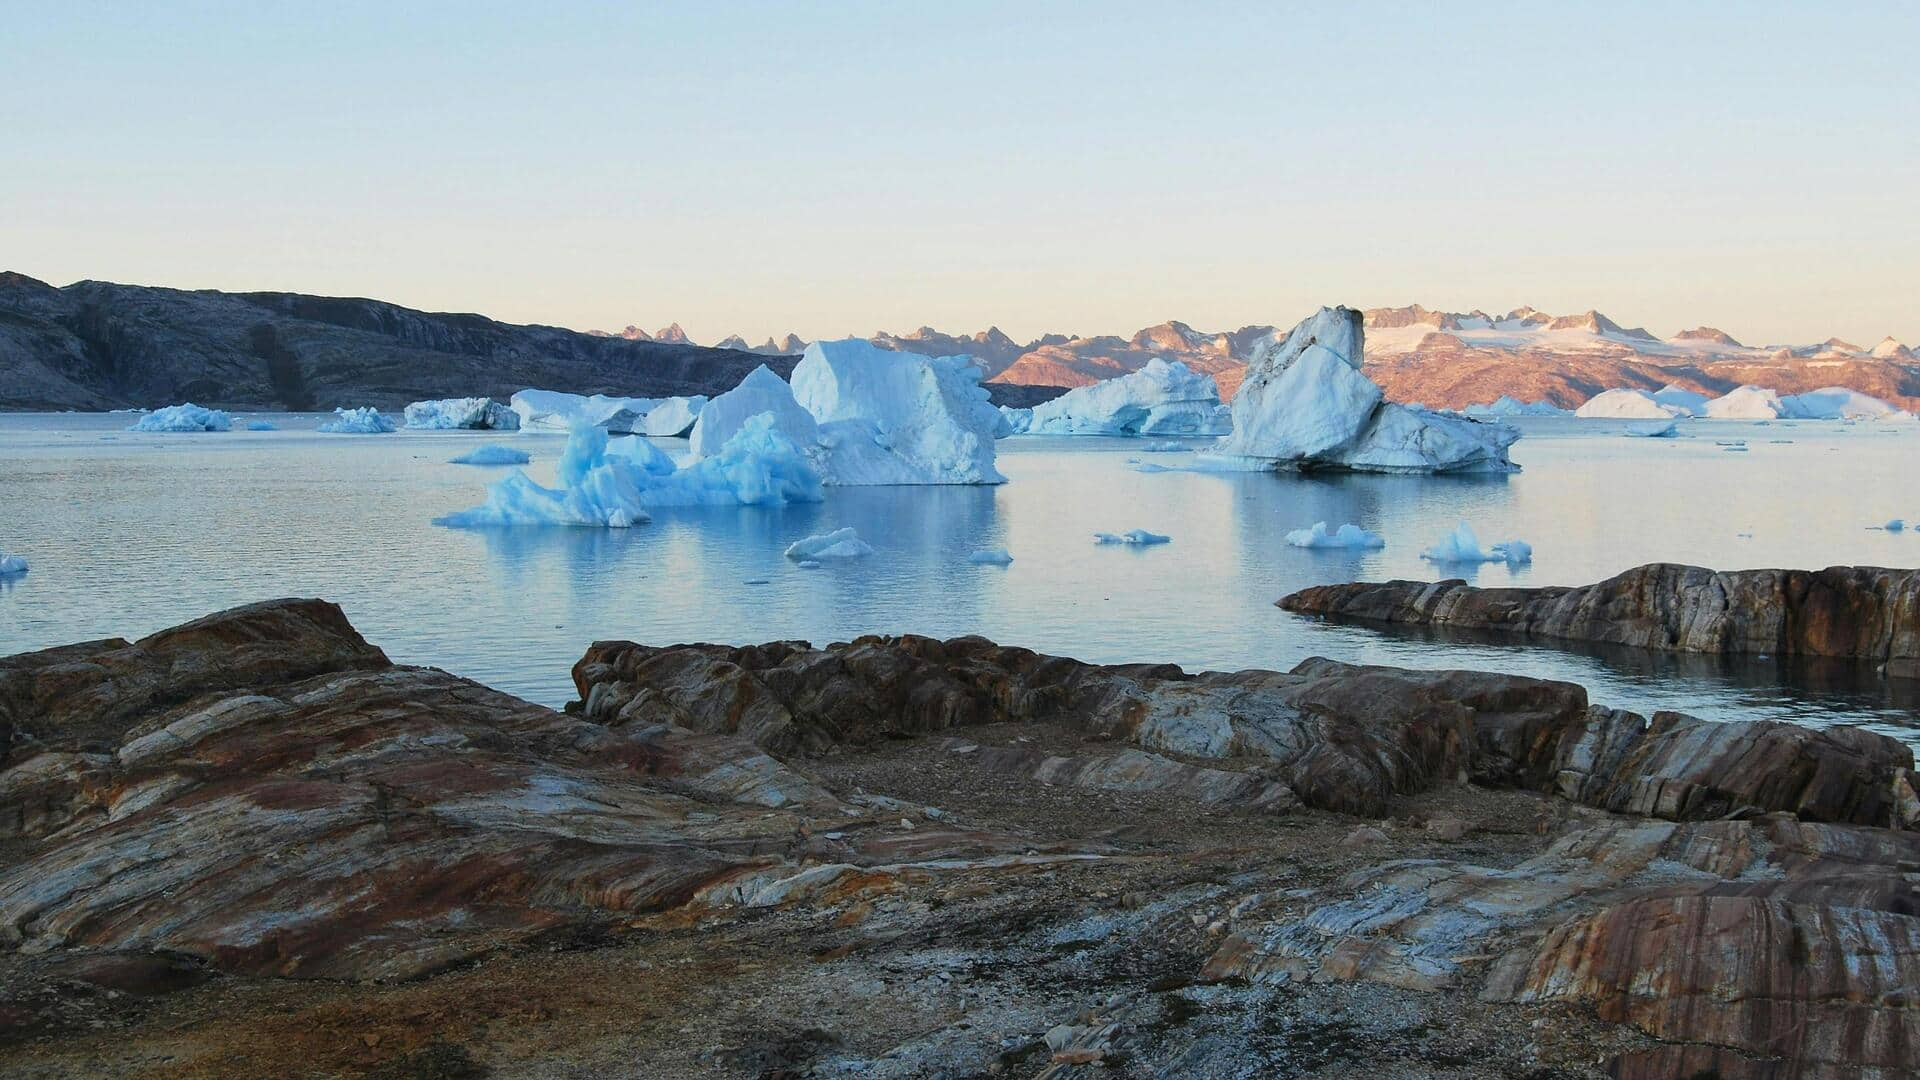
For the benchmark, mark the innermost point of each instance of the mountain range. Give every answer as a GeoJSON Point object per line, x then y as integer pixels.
{"type": "Point", "coordinates": [101, 345]}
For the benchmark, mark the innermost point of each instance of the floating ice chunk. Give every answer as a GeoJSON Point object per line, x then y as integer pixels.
{"type": "Point", "coordinates": [262, 425]}
{"type": "Point", "coordinates": [1131, 536]}
{"type": "Point", "coordinates": [1839, 403]}
{"type": "Point", "coordinates": [552, 410]}
{"type": "Point", "coordinates": [1747, 403]}
{"type": "Point", "coordinates": [1013, 422]}
{"type": "Point", "coordinates": [991, 557]}
{"type": "Point", "coordinates": [1505, 405]}
{"type": "Point", "coordinates": [1305, 405]}
{"type": "Point", "coordinates": [1162, 398]}
{"type": "Point", "coordinates": [890, 417]}
{"type": "Point", "coordinates": [11, 564]}
{"type": "Point", "coordinates": [673, 417]}
{"type": "Point", "coordinates": [367, 421]}
{"type": "Point", "coordinates": [472, 413]}
{"type": "Point", "coordinates": [1462, 546]}
{"type": "Point", "coordinates": [603, 486]}
{"type": "Point", "coordinates": [1690, 402]}
{"type": "Point", "coordinates": [1896, 525]}
{"type": "Point", "coordinates": [493, 454]}
{"type": "Point", "coordinates": [838, 544]}
{"type": "Point", "coordinates": [1346, 536]}
{"type": "Point", "coordinates": [760, 392]}
{"type": "Point", "coordinates": [1628, 405]}
{"type": "Point", "coordinates": [187, 417]}
{"type": "Point", "coordinates": [1668, 430]}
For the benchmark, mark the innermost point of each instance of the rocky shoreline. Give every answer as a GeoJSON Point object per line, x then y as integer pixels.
{"type": "Point", "coordinates": [252, 845]}
{"type": "Point", "coordinates": [1858, 613]}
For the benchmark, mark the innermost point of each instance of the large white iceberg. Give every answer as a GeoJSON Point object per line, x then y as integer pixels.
{"type": "Point", "coordinates": [672, 417]}
{"type": "Point", "coordinates": [838, 544]}
{"type": "Point", "coordinates": [613, 486]}
{"type": "Point", "coordinates": [1692, 401]}
{"type": "Point", "coordinates": [1162, 398]}
{"type": "Point", "coordinates": [888, 417]}
{"type": "Point", "coordinates": [1747, 403]}
{"type": "Point", "coordinates": [1305, 405]}
{"type": "Point", "coordinates": [1839, 403]}
{"type": "Point", "coordinates": [366, 421]}
{"type": "Point", "coordinates": [187, 417]}
{"type": "Point", "coordinates": [11, 564]}
{"type": "Point", "coordinates": [1506, 405]}
{"type": "Point", "coordinates": [474, 413]}
{"type": "Point", "coordinates": [1629, 405]}
{"type": "Point", "coordinates": [760, 392]}
{"type": "Point", "coordinates": [552, 410]}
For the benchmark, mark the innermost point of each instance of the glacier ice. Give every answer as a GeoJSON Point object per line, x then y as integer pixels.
{"type": "Point", "coordinates": [1013, 421]}
{"type": "Point", "coordinates": [493, 454]}
{"type": "Point", "coordinates": [1161, 398]}
{"type": "Point", "coordinates": [838, 544]}
{"type": "Point", "coordinates": [1628, 405]}
{"type": "Point", "coordinates": [186, 417]}
{"type": "Point", "coordinates": [991, 557]}
{"type": "Point", "coordinates": [11, 564]}
{"type": "Point", "coordinates": [760, 392]}
{"type": "Point", "coordinates": [1668, 430]}
{"type": "Point", "coordinates": [553, 410]}
{"type": "Point", "coordinates": [1131, 536]}
{"type": "Point", "coordinates": [887, 417]}
{"type": "Point", "coordinates": [366, 421]}
{"type": "Point", "coordinates": [613, 486]}
{"type": "Point", "coordinates": [672, 417]}
{"type": "Point", "coordinates": [1346, 536]}
{"type": "Point", "coordinates": [1896, 525]}
{"type": "Point", "coordinates": [1305, 405]}
{"type": "Point", "coordinates": [475, 413]}
{"type": "Point", "coordinates": [1840, 403]}
{"type": "Point", "coordinates": [1691, 402]}
{"type": "Point", "coordinates": [262, 425]}
{"type": "Point", "coordinates": [1462, 546]}
{"type": "Point", "coordinates": [1506, 405]}
{"type": "Point", "coordinates": [1747, 403]}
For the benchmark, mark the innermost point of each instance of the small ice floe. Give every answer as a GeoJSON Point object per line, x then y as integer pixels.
{"type": "Point", "coordinates": [838, 544]}
{"type": "Point", "coordinates": [1741, 449]}
{"type": "Point", "coordinates": [1346, 536]}
{"type": "Point", "coordinates": [185, 417]}
{"type": "Point", "coordinates": [1461, 546]}
{"type": "Point", "coordinates": [365, 421]}
{"type": "Point", "coordinates": [990, 557]}
{"type": "Point", "coordinates": [1131, 536]}
{"type": "Point", "coordinates": [1896, 525]}
{"type": "Point", "coordinates": [493, 454]}
{"type": "Point", "coordinates": [1669, 430]}
{"type": "Point", "coordinates": [807, 564]}
{"type": "Point", "coordinates": [262, 425]}
{"type": "Point", "coordinates": [11, 564]}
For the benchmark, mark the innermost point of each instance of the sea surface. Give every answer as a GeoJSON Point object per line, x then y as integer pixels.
{"type": "Point", "coordinates": [129, 533]}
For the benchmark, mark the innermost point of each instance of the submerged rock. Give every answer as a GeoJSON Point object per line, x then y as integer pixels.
{"type": "Point", "coordinates": [1856, 613]}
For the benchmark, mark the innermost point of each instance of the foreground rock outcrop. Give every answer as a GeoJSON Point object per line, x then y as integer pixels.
{"type": "Point", "coordinates": [252, 845]}
{"type": "Point", "coordinates": [1860, 613]}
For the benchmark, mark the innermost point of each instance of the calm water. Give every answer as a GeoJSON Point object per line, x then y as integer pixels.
{"type": "Point", "coordinates": [129, 533]}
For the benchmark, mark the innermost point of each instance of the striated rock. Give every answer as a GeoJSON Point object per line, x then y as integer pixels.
{"type": "Point", "coordinates": [1856, 613]}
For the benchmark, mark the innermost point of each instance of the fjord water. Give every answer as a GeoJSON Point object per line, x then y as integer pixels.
{"type": "Point", "coordinates": [130, 533]}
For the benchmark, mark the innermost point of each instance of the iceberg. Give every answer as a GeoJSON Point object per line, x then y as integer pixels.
{"type": "Point", "coordinates": [1505, 405]}
{"type": "Point", "coordinates": [552, 410]}
{"type": "Point", "coordinates": [367, 421]}
{"type": "Point", "coordinates": [11, 564]}
{"type": "Point", "coordinates": [493, 454]}
{"type": "Point", "coordinates": [472, 413]}
{"type": "Point", "coordinates": [1461, 546]}
{"type": "Point", "coordinates": [187, 417]}
{"type": "Point", "coordinates": [991, 557]}
{"type": "Point", "coordinates": [1896, 525]}
{"type": "Point", "coordinates": [1839, 403]}
{"type": "Point", "coordinates": [262, 425]}
{"type": "Point", "coordinates": [888, 417]}
{"type": "Point", "coordinates": [1748, 403]}
{"type": "Point", "coordinates": [613, 486]}
{"type": "Point", "coordinates": [1347, 536]}
{"type": "Point", "coordinates": [1628, 405]}
{"type": "Point", "coordinates": [1162, 398]}
{"type": "Point", "coordinates": [1668, 430]}
{"type": "Point", "coordinates": [1131, 536]}
{"type": "Point", "coordinates": [838, 544]}
{"type": "Point", "coordinates": [1305, 405]}
{"type": "Point", "coordinates": [1692, 403]}
{"type": "Point", "coordinates": [760, 392]}
{"type": "Point", "coordinates": [673, 417]}
{"type": "Point", "coordinates": [1013, 422]}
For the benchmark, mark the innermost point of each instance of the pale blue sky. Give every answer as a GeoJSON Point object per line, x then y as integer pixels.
{"type": "Point", "coordinates": [844, 168]}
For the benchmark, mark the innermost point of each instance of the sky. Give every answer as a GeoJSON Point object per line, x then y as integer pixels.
{"type": "Point", "coordinates": [844, 168]}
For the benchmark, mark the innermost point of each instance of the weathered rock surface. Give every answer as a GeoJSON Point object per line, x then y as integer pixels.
{"type": "Point", "coordinates": [252, 845]}
{"type": "Point", "coordinates": [1851, 612]}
